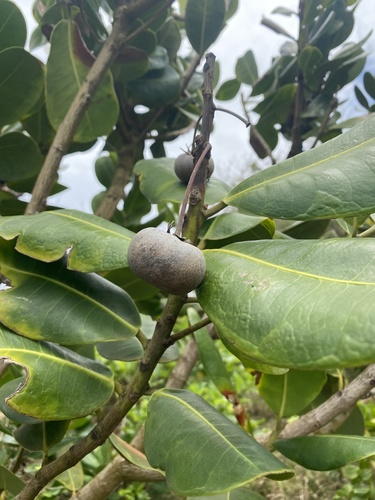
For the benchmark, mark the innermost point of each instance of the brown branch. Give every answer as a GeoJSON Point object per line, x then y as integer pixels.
{"type": "Point", "coordinates": [110, 478]}
{"type": "Point", "coordinates": [201, 149]}
{"type": "Point", "coordinates": [334, 406]}
{"type": "Point", "coordinates": [187, 331]}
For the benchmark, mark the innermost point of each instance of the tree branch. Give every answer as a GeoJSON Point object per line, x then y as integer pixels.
{"type": "Point", "coordinates": [334, 406]}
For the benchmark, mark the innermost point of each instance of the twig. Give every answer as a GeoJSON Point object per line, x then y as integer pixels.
{"type": "Point", "coordinates": [236, 115]}
{"type": "Point", "coordinates": [197, 166]}
{"type": "Point", "coordinates": [201, 150]}
{"type": "Point", "coordinates": [187, 331]}
{"type": "Point", "coordinates": [218, 207]}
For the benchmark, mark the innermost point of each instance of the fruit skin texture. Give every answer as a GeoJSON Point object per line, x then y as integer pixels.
{"type": "Point", "coordinates": [184, 165]}
{"type": "Point", "coordinates": [163, 260]}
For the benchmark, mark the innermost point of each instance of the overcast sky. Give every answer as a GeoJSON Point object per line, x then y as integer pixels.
{"type": "Point", "coordinates": [230, 139]}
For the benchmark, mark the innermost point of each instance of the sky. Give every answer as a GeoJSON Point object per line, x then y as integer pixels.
{"type": "Point", "coordinates": [230, 139]}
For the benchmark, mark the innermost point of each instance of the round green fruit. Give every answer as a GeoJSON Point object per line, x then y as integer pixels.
{"type": "Point", "coordinates": [184, 166]}
{"type": "Point", "coordinates": [165, 261]}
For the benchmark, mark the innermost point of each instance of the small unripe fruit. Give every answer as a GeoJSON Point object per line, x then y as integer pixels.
{"type": "Point", "coordinates": [163, 260]}
{"type": "Point", "coordinates": [184, 165]}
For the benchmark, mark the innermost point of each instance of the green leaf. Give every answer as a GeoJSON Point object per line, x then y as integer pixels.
{"type": "Point", "coordinates": [169, 37]}
{"type": "Point", "coordinates": [12, 26]}
{"type": "Point", "coordinates": [204, 20]}
{"type": "Point", "coordinates": [20, 157]}
{"type": "Point", "coordinates": [244, 493]}
{"type": "Point", "coordinates": [326, 452]}
{"type": "Point", "coordinates": [41, 436]}
{"type": "Point", "coordinates": [210, 357]}
{"type": "Point", "coordinates": [6, 390]}
{"type": "Point", "coordinates": [221, 455]}
{"type": "Point", "coordinates": [94, 244]}
{"type": "Point", "coordinates": [46, 394]}
{"type": "Point", "coordinates": [68, 65]}
{"type": "Point", "coordinates": [246, 69]}
{"type": "Point", "coordinates": [291, 392]}
{"type": "Point", "coordinates": [131, 64]}
{"type": "Point", "coordinates": [105, 168]}
{"type": "Point", "coordinates": [293, 304]}
{"type": "Point", "coordinates": [331, 181]}
{"type": "Point", "coordinates": [21, 84]}
{"type": "Point", "coordinates": [72, 479]}
{"type": "Point", "coordinates": [122, 350]}
{"type": "Point", "coordinates": [49, 302]}
{"type": "Point", "coordinates": [228, 90]}
{"type": "Point", "coordinates": [369, 83]}
{"type": "Point", "coordinates": [10, 482]}
{"type": "Point", "coordinates": [157, 87]}
{"type": "Point", "coordinates": [229, 228]}
{"type": "Point", "coordinates": [131, 454]}
{"type": "Point", "coordinates": [308, 60]}
{"type": "Point", "coordinates": [361, 98]}
{"type": "Point", "coordinates": [158, 182]}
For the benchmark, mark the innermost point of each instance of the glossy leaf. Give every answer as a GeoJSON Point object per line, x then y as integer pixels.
{"type": "Point", "coordinates": [157, 87]}
{"type": "Point", "coordinates": [369, 83]}
{"type": "Point", "coordinates": [210, 357]}
{"type": "Point", "coordinates": [290, 393]}
{"type": "Point", "coordinates": [20, 157]}
{"type": "Point", "coordinates": [131, 454]}
{"type": "Point", "coordinates": [228, 90]}
{"type": "Point", "coordinates": [49, 302]}
{"type": "Point", "coordinates": [131, 64]}
{"type": "Point", "coordinates": [331, 181]}
{"type": "Point", "coordinates": [221, 455]}
{"type": "Point", "coordinates": [229, 228]}
{"type": "Point", "coordinates": [169, 36]}
{"type": "Point", "coordinates": [158, 182]}
{"type": "Point", "coordinates": [244, 493]}
{"type": "Point", "coordinates": [6, 390]}
{"type": "Point", "coordinates": [94, 244]}
{"type": "Point", "coordinates": [246, 68]}
{"type": "Point", "coordinates": [41, 436]}
{"type": "Point", "coordinates": [21, 84]}
{"type": "Point", "coordinates": [122, 350]}
{"type": "Point", "coordinates": [10, 482]}
{"type": "Point", "coordinates": [72, 479]}
{"type": "Point", "coordinates": [317, 306]}
{"type": "Point", "coordinates": [46, 394]}
{"type": "Point", "coordinates": [308, 60]}
{"type": "Point", "coordinates": [68, 65]}
{"type": "Point", "coordinates": [12, 26]}
{"type": "Point", "coordinates": [204, 19]}
{"type": "Point", "coordinates": [326, 452]}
